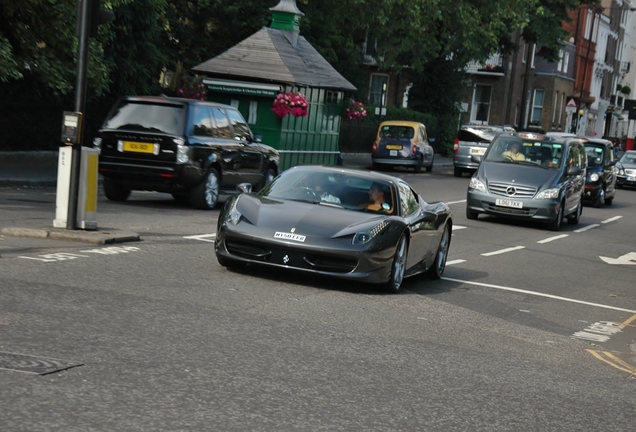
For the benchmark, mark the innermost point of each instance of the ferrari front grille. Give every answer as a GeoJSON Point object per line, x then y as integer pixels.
{"type": "Point", "coordinates": [247, 250]}
{"type": "Point", "coordinates": [331, 264]}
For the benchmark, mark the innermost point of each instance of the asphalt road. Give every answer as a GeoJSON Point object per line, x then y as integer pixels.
{"type": "Point", "coordinates": [529, 329]}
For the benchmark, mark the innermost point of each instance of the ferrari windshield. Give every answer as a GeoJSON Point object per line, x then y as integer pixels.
{"type": "Point", "coordinates": [514, 149]}
{"type": "Point", "coordinates": [330, 188]}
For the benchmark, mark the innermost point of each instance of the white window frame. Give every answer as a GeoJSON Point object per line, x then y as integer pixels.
{"type": "Point", "coordinates": [535, 106]}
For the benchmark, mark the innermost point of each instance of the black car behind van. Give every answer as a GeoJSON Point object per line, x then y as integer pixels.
{"type": "Point", "coordinates": [528, 176]}
{"type": "Point", "coordinates": [195, 150]}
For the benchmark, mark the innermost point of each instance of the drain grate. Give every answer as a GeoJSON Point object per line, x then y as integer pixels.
{"type": "Point", "coordinates": [34, 365]}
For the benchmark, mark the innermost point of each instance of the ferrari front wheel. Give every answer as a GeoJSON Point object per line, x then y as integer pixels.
{"type": "Point", "coordinates": [398, 267]}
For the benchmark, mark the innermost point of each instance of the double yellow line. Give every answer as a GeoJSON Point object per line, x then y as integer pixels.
{"type": "Point", "coordinates": [611, 359]}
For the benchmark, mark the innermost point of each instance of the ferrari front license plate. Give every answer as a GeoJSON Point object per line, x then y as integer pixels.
{"type": "Point", "coordinates": [394, 147]}
{"type": "Point", "coordinates": [290, 236]}
{"type": "Point", "coordinates": [509, 203]}
{"type": "Point", "coordinates": [139, 147]}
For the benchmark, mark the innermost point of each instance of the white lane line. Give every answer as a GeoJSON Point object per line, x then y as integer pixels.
{"type": "Point", "coordinates": [538, 294]}
{"type": "Point", "coordinates": [202, 237]}
{"type": "Point", "coordinates": [456, 202]}
{"type": "Point", "coordinates": [589, 227]}
{"type": "Point", "coordinates": [503, 251]}
{"type": "Point", "coordinates": [457, 227]}
{"type": "Point", "coordinates": [457, 261]}
{"type": "Point", "coordinates": [611, 219]}
{"type": "Point", "coordinates": [549, 239]}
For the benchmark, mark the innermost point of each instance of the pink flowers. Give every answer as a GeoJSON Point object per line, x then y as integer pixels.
{"type": "Point", "coordinates": [356, 111]}
{"type": "Point", "coordinates": [293, 103]}
{"type": "Point", "coordinates": [193, 91]}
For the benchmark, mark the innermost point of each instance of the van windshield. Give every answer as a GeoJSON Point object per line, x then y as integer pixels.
{"type": "Point", "coordinates": [547, 154]}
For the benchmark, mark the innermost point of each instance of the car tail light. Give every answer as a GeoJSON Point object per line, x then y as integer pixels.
{"type": "Point", "coordinates": [374, 148]}
{"type": "Point", "coordinates": [414, 149]}
{"type": "Point", "coordinates": [456, 145]}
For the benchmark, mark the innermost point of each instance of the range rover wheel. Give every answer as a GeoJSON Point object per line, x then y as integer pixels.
{"type": "Point", "coordinates": [115, 191]}
{"type": "Point", "coordinates": [430, 167]}
{"type": "Point", "coordinates": [205, 195]}
{"type": "Point", "coordinates": [268, 177]}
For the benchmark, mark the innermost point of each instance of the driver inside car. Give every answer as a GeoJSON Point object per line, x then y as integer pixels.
{"type": "Point", "coordinates": [513, 153]}
{"type": "Point", "coordinates": [319, 185]}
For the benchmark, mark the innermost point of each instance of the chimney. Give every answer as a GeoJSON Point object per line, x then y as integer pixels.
{"type": "Point", "coordinates": [286, 17]}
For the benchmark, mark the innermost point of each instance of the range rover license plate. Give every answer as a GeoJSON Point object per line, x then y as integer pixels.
{"type": "Point", "coordinates": [477, 150]}
{"type": "Point", "coordinates": [509, 203]}
{"type": "Point", "coordinates": [139, 147]}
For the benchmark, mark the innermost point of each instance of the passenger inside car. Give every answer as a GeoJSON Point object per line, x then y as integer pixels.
{"type": "Point", "coordinates": [546, 157]}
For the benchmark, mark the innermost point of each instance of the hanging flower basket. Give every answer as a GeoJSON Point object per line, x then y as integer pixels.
{"type": "Point", "coordinates": [356, 111]}
{"type": "Point", "coordinates": [293, 103]}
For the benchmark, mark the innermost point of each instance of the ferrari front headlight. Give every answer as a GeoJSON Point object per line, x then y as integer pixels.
{"type": "Point", "coordinates": [233, 215]}
{"type": "Point", "coordinates": [362, 237]}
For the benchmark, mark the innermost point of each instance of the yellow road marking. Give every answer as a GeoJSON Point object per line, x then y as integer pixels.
{"type": "Point", "coordinates": [613, 361]}
{"type": "Point", "coordinates": [628, 322]}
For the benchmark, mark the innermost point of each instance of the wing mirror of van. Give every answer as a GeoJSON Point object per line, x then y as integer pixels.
{"type": "Point", "coordinates": [476, 158]}
{"type": "Point", "coordinates": [573, 171]}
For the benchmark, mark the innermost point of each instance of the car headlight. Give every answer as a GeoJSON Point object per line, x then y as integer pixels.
{"type": "Point", "coordinates": [594, 177]}
{"type": "Point", "coordinates": [183, 151]}
{"type": "Point", "coordinates": [233, 215]}
{"type": "Point", "coordinates": [97, 143]}
{"type": "Point", "coordinates": [362, 237]}
{"type": "Point", "coordinates": [548, 194]}
{"type": "Point", "coordinates": [621, 171]}
{"type": "Point", "coordinates": [477, 184]}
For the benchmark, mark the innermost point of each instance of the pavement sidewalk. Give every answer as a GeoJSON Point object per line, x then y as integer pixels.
{"type": "Point", "coordinates": [39, 169]}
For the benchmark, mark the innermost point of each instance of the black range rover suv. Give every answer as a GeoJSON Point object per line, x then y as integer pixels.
{"type": "Point", "coordinates": [195, 150]}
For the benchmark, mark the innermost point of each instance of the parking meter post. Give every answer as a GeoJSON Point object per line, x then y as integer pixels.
{"type": "Point", "coordinates": [80, 100]}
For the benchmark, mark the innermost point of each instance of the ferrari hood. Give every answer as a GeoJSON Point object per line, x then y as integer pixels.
{"type": "Point", "coordinates": [302, 217]}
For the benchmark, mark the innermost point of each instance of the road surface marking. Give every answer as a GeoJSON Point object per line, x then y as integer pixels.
{"type": "Point", "coordinates": [456, 202]}
{"type": "Point", "coordinates": [202, 237]}
{"type": "Point", "coordinates": [457, 261]}
{"type": "Point", "coordinates": [503, 251]}
{"type": "Point", "coordinates": [589, 227]}
{"type": "Point", "coordinates": [457, 227]}
{"type": "Point", "coordinates": [611, 219]}
{"type": "Point", "coordinates": [549, 239]}
{"type": "Point", "coordinates": [612, 360]}
{"type": "Point", "coordinates": [538, 294]}
{"type": "Point", "coordinates": [627, 259]}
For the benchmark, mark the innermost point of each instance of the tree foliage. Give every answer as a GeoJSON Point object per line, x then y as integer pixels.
{"type": "Point", "coordinates": [433, 39]}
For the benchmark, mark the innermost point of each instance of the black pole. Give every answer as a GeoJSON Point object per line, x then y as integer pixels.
{"type": "Point", "coordinates": [80, 98]}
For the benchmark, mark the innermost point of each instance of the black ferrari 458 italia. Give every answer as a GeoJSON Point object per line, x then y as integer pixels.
{"type": "Point", "coordinates": [339, 222]}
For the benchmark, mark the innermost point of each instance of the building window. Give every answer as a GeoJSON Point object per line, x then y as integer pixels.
{"type": "Point", "coordinates": [560, 63]}
{"type": "Point", "coordinates": [481, 104]}
{"type": "Point", "coordinates": [534, 51]}
{"type": "Point", "coordinates": [537, 108]}
{"type": "Point", "coordinates": [566, 61]}
{"type": "Point", "coordinates": [252, 114]}
{"type": "Point", "coordinates": [555, 109]}
{"type": "Point", "coordinates": [377, 89]}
